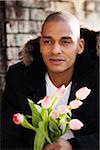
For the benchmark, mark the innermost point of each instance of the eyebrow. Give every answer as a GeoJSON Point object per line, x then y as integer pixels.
{"type": "Point", "coordinates": [46, 37]}
{"type": "Point", "coordinates": [49, 37]}
{"type": "Point", "coordinates": [67, 38]}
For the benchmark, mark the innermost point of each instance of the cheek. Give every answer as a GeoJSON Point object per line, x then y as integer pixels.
{"type": "Point", "coordinates": [45, 51]}
{"type": "Point", "coordinates": [71, 57]}
{"type": "Point", "coordinates": [44, 55]}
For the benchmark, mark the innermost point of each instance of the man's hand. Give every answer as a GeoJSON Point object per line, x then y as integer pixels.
{"type": "Point", "coordinates": [59, 145]}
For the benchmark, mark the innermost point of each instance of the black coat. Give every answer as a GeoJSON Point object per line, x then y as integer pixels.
{"type": "Point", "coordinates": [24, 82]}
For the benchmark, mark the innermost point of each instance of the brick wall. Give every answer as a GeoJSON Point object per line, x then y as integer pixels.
{"type": "Point", "coordinates": [24, 19]}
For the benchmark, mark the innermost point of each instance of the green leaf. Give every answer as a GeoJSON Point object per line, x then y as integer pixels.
{"type": "Point", "coordinates": [54, 129]}
{"type": "Point", "coordinates": [26, 124]}
{"type": "Point", "coordinates": [40, 136]}
{"type": "Point", "coordinates": [52, 136]}
{"type": "Point", "coordinates": [44, 114]}
{"type": "Point", "coordinates": [35, 119]}
{"type": "Point", "coordinates": [36, 116]}
{"type": "Point", "coordinates": [38, 108]}
{"type": "Point", "coordinates": [66, 128]}
{"type": "Point", "coordinates": [33, 107]}
{"type": "Point", "coordinates": [62, 117]}
{"type": "Point", "coordinates": [39, 140]}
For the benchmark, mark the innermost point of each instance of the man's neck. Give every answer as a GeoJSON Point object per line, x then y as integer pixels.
{"type": "Point", "coordinates": [59, 79]}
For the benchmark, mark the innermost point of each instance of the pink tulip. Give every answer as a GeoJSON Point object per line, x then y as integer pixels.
{"type": "Point", "coordinates": [18, 118]}
{"type": "Point", "coordinates": [75, 124]}
{"type": "Point", "coordinates": [63, 109]}
{"type": "Point", "coordinates": [60, 91]}
{"type": "Point", "coordinates": [75, 104]}
{"type": "Point", "coordinates": [82, 93]}
{"type": "Point", "coordinates": [55, 114]}
{"type": "Point", "coordinates": [46, 102]}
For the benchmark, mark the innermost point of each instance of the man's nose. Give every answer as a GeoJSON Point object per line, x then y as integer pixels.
{"type": "Point", "coordinates": [56, 49]}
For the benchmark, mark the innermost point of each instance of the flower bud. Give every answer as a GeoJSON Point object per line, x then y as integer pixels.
{"type": "Point", "coordinates": [82, 93]}
{"type": "Point", "coordinates": [63, 109]}
{"type": "Point", "coordinates": [75, 124]}
{"type": "Point", "coordinates": [18, 118]}
{"type": "Point", "coordinates": [46, 103]}
{"type": "Point", "coordinates": [61, 91]}
{"type": "Point", "coordinates": [55, 114]}
{"type": "Point", "coordinates": [75, 104]}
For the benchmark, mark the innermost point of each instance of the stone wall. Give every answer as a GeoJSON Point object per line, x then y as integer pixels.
{"type": "Point", "coordinates": [24, 19]}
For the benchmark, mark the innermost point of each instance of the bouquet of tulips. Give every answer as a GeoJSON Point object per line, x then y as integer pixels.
{"type": "Point", "coordinates": [47, 122]}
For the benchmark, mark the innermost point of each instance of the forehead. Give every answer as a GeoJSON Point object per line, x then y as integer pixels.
{"type": "Point", "coordinates": [61, 28]}
{"type": "Point", "coordinates": [57, 28]}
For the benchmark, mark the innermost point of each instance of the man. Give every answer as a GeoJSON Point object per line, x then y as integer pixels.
{"type": "Point", "coordinates": [62, 62]}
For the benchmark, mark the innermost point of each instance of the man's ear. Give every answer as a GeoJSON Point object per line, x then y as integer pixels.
{"type": "Point", "coordinates": [81, 46]}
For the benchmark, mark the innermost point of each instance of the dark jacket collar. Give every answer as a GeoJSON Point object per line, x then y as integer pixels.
{"type": "Point", "coordinates": [34, 78]}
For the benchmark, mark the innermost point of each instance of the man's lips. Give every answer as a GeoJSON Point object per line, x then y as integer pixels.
{"type": "Point", "coordinates": [56, 60]}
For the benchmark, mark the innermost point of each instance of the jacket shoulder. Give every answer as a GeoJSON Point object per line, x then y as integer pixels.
{"type": "Point", "coordinates": [16, 66]}
{"type": "Point", "coordinates": [16, 71]}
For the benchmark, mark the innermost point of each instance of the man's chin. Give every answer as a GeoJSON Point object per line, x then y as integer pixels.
{"type": "Point", "coordinates": [57, 71]}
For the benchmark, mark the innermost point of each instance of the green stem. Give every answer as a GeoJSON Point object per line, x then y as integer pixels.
{"type": "Point", "coordinates": [48, 139]}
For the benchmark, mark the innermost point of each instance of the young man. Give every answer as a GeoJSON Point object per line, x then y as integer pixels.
{"type": "Point", "coordinates": [62, 62]}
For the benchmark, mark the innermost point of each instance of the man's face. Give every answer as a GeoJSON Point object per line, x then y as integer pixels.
{"type": "Point", "coordinates": [59, 46]}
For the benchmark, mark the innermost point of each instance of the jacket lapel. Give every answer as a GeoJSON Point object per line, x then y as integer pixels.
{"type": "Point", "coordinates": [34, 83]}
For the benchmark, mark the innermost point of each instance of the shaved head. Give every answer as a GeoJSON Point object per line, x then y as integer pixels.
{"type": "Point", "coordinates": [60, 43]}
{"type": "Point", "coordinates": [70, 19]}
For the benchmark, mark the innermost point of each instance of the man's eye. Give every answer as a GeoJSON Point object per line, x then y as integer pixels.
{"type": "Point", "coordinates": [47, 41]}
{"type": "Point", "coordinates": [65, 42]}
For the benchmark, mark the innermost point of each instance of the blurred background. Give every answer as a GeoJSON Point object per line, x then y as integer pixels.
{"type": "Point", "coordinates": [22, 20]}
